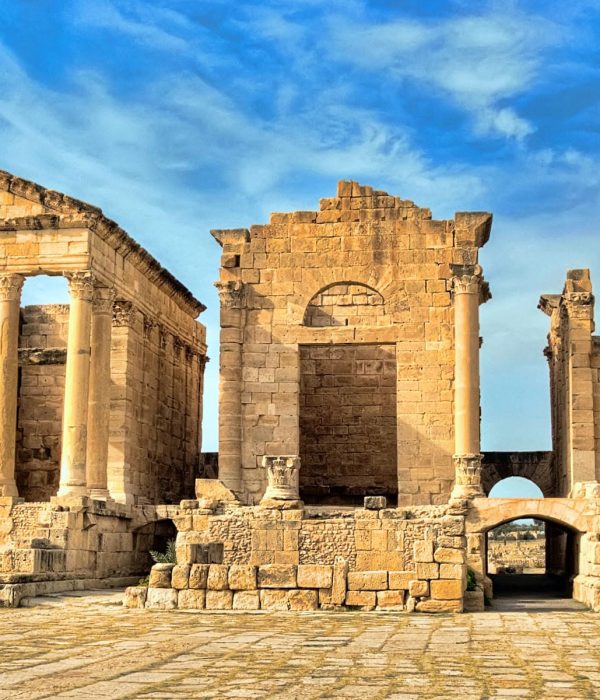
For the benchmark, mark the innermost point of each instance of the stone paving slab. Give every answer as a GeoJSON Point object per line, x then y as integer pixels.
{"type": "Point", "coordinates": [103, 651]}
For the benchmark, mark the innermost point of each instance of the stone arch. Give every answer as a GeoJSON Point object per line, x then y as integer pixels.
{"type": "Point", "coordinates": [315, 280]}
{"type": "Point", "coordinates": [346, 304]}
{"type": "Point", "coordinates": [537, 467]}
{"type": "Point", "coordinates": [486, 514]}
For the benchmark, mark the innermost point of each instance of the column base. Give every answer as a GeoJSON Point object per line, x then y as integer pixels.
{"type": "Point", "coordinates": [467, 477]}
{"type": "Point", "coordinates": [72, 490]}
{"type": "Point", "coordinates": [99, 494]}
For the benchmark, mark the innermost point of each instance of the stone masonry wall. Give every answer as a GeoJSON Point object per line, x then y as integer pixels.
{"type": "Point", "coordinates": [595, 364]}
{"type": "Point", "coordinates": [42, 355]}
{"type": "Point", "coordinates": [368, 268]}
{"type": "Point", "coordinates": [347, 422]}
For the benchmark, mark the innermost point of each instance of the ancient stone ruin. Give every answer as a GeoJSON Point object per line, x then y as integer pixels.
{"type": "Point", "coordinates": [350, 472]}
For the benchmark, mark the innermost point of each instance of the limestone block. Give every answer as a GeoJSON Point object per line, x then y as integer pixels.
{"type": "Point", "coordinates": [303, 599]}
{"type": "Point", "coordinates": [375, 502]}
{"type": "Point", "coordinates": [161, 598]}
{"type": "Point", "coordinates": [378, 561]}
{"type": "Point", "coordinates": [315, 576]}
{"type": "Point", "coordinates": [452, 570]}
{"type": "Point", "coordinates": [367, 581]}
{"type": "Point", "coordinates": [246, 600]}
{"type": "Point", "coordinates": [191, 599]}
{"type": "Point", "coordinates": [446, 589]}
{"type": "Point", "coordinates": [401, 579]}
{"type": "Point", "coordinates": [219, 600]}
{"type": "Point", "coordinates": [418, 589]}
{"type": "Point", "coordinates": [160, 575]}
{"type": "Point", "coordinates": [213, 489]}
{"type": "Point", "coordinates": [135, 597]}
{"type": "Point", "coordinates": [242, 577]}
{"type": "Point", "coordinates": [277, 576]}
{"type": "Point", "coordinates": [423, 551]}
{"type": "Point", "coordinates": [191, 553]}
{"type": "Point", "coordinates": [428, 571]}
{"type": "Point", "coordinates": [433, 606]}
{"type": "Point", "coordinates": [338, 586]}
{"type": "Point", "coordinates": [361, 598]}
{"type": "Point", "coordinates": [390, 599]}
{"type": "Point", "coordinates": [198, 576]}
{"type": "Point", "coordinates": [474, 601]}
{"type": "Point", "coordinates": [449, 556]}
{"type": "Point", "coordinates": [274, 599]}
{"type": "Point", "coordinates": [217, 577]}
{"type": "Point", "coordinates": [180, 576]}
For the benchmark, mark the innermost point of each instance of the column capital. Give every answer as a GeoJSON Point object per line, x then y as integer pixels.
{"type": "Point", "coordinates": [11, 285]}
{"type": "Point", "coordinates": [103, 300]}
{"type": "Point", "coordinates": [81, 285]}
{"type": "Point", "coordinates": [282, 481]}
{"type": "Point", "coordinates": [231, 293]}
{"type": "Point", "coordinates": [122, 313]}
{"type": "Point", "coordinates": [579, 304]}
{"type": "Point", "coordinates": [467, 482]}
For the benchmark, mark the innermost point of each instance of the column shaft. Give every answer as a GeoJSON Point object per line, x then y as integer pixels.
{"type": "Point", "coordinates": [467, 457]}
{"type": "Point", "coordinates": [10, 298]}
{"type": "Point", "coordinates": [77, 376]}
{"type": "Point", "coordinates": [466, 388]}
{"type": "Point", "coordinates": [230, 385]}
{"type": "Point", "coordinates": [99, 395]}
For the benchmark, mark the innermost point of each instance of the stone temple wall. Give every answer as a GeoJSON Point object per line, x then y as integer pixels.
{"type": "Point", "coordinates": [348, 422]}
{"type": "Point", "coordinates": [367, 269]}
{"type": "Point", "coordinates": [42, 355]}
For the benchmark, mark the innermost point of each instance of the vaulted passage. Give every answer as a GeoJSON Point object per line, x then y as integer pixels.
{"type": "Point", "coordinates": [347, 423]}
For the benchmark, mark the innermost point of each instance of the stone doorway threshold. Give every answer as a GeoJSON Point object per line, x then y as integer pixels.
{"type": "Point", "coordinates": [531, 593]}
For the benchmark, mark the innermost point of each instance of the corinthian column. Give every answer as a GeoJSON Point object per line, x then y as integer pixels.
{"type": "Point", "coordinates": [77, 376]}
{"type": "Point", "coordinates": [230, 384]}
{"type": "Point", "coordinates": [467, 286]}
{"type": "Point", "coordinates": [10, 299]}
{"type": "Point", "coordinates": [99, 400]}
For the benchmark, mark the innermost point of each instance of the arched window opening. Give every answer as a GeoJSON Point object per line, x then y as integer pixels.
{"type": "Point", "coordinates": [345, 304]}
{"type": "Point", "coordinates": [516, 487]}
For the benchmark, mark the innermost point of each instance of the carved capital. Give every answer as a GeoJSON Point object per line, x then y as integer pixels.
{"type": "Point", "coordinates": [231, 294]}
{"type": "Point", "coordinates": [81, 285]}
{"type": "Point", "coordinates": [123, 312]}
{"type": "Point", "coordinates": [149, 326]}
{"type": "Point", "coordinates": [467, 469]}
{"type": "Point", "coordinates": [103, 300]}
{"type": "Point", "coordinates": [11, 286]}
{"type": "Point", "coordinates": [283, 477]}
{"type": "Point", "coordinates": [467, 284]}
{"type": "Point", "coordinates": [579, 305]}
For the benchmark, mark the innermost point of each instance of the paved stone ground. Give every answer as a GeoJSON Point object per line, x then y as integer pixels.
{"type": "Point", "coordinates": [89, 647]}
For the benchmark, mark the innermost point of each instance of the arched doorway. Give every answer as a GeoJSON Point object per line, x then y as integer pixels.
{"type": "Point", "coordinates": [530, 571]}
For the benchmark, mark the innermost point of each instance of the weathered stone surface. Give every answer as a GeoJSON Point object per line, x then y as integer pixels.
{"type": "Point", "coordinates": [273, 599]}
{"type": "Point", "coordinates": [303, 599]}
{"type": "Point", "coordinates": [180, 576]}
{"type": "Point", "coordinates": [375, 502]}
{"type": "Point", "coordinates": [191, 599]}
{"type": "Point", "coordinates": [242, 577]}
{"type": "Point", "coordinates": [427, 571]}
{"type": "Point", "coordinates": [161, 598]}
{"type": "Point", "coordinates": [417, 589]}
{"type": "Point", "coordinates": [366, 599]}
{"type": "Point", "coordinates": [401, 579]}
{"type": "Point", "coordinates": [433, 606]}
{"type": "Point", "coordinates": [198, 575]}
{"type": "Point", "coordinates": [446, 589]}
{"type": "Point", "coordinates": [219, 600]}
{"type": "Point", "coordinates": [452, 570]}
{"type": "Point", "coordinates": [315, 576]}
{"type": "Point", "coordinates": [423, 551]}
{"type": "Point", "coordinates": [217, 577]}
{"type": "Point", "coordinates": [390, 599]}
{"type": "Point", "coordinates": [246, 600]}
{"type": "Point", "coordinates": [135, 597]}
{"type": "Point", "coordinates": [367, 580]}
{"type": "Point", "coordinates": [160, 576]}
{"type": "Point", "coordinates": [449, 556]}
{"type": "Point", "coordinates": [276, 576]}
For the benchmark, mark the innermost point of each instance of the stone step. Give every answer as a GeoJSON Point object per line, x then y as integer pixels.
{"type": "Point", "coordinates": [79, 599]}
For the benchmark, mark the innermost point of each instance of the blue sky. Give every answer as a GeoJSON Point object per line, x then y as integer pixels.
{"type": "Point", "coordinates": [179, 116]}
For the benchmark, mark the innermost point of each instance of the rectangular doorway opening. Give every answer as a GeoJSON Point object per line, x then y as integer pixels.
{"type": "Point", "coordinates": [348, 439]}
